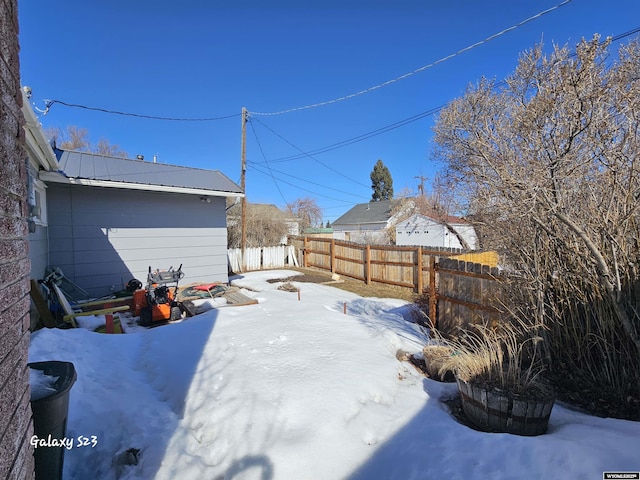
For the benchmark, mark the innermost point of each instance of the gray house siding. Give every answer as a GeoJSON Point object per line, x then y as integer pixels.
{"type": "Point", "coordinates": [38, 251]}
{"type": "Point", "coordinates": [38, 236]}
{"type": "Point", "coordinates": [103, 237]}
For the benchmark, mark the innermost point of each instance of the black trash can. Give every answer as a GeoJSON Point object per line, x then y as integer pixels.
{"type": "Point", "coordinates": [50, 418]}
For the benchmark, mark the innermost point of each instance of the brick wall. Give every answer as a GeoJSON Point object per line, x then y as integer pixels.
{"type": "Point", "coordinates": [16, 455]}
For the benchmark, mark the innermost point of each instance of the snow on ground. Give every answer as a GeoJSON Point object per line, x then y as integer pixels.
{"type": "Point", "coordinates": [297, 389]}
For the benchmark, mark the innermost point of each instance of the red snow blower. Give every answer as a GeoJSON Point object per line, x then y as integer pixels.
{"type": "Point", "coordinates": [157, 302]}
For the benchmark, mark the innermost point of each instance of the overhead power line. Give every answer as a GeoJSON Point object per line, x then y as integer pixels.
{"type": "Point", "coordinates": [255, 166]}
{"type": "Point", "coordinates": [297, 185]}
{"type": "Point", "coordinates": [50, 103]}
{"type": "Point", "coordinates": [418, 70]}
{"type": "Point", "coordinates": [625, 34]}
{"type": "Point", "coordinates": [304, 154]}
{"type": "Point", "coordinates": [362, 137]}
{"type": "Point", "coordinates": [275, 182]}
{"type": "Point", "coordinates": [406, 121]}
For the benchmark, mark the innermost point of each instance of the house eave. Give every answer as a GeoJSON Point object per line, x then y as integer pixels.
{"type": "Point", "coordinates": [56, 177]}
{"type": "Point", "coordinates": [36, 142]}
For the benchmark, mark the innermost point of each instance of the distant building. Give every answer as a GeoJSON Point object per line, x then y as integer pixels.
{"type": "Point", "coordinates": [319, 232]}
{"type": "Point", "coordinates": [430, 232]}
{"type": "Point", "coordinates": [364, 223]}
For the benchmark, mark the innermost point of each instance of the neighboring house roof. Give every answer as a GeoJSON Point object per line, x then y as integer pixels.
{"type": "Point", "coordinates": [98, 170]}
{"type": "Point", "coordinates": [366, 213]}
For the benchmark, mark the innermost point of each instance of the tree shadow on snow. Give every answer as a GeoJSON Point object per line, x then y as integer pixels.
{"type": "Point", "coordinates": [250, 462]}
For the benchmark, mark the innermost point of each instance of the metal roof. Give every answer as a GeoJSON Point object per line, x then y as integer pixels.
{"type": "Point", "coordinates": [90, 166]}
{"type": "Point", "coordinates": [363, 213]}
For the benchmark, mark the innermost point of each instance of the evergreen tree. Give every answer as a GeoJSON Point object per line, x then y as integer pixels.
{"type": "Point", "coordinates": [381, 183]}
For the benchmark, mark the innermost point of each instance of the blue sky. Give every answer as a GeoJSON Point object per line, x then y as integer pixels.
{"type": "Point", "coordinates": [208, 59]}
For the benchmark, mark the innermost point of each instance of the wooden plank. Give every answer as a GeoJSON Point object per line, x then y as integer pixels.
{"type": "Point", "coordinates": [102, 311]}
{"type": "Point", "coordinates": [462, 273]}
{"type": "Point", "coordinates": [41, 305]}
{"type": "Point", "coordinates": [239, 299]}
{"type": "Point", "coordinates": [110, 301]}
{"type": "Point", "coordinates": [367, 268]}
{"type": "Point", "coordinates": [433, 297]}
{"type": "Point", "coordinates": [389, 282]}
{"type": "Point", "coordinates": [333, 256]}
{"type": "Point", "coordinates": [64, 303]}
{"type": "Point", "coordinates": [419, 268]}
{"type": "Point", "coordinates": [473, 306]}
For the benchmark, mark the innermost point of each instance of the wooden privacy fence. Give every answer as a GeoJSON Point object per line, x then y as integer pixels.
{"type": "Point", "coordinates": [459, 292]}
{"type": "Point", "coordinates": [463, 293]}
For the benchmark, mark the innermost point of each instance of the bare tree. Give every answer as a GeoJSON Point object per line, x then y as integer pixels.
{"type": "Point", "coordinates": [77, 139]}
{"type": "Point", "coordinates": [73, 138]}
{"type": "Point", "coordinates": [549, 166]}
{"type": "Point", "coordinates": [103, 147]}
{"type": "Point", "coordinates": [307, 211]}
{"type": "Point", "coordinates": [265, 224]}
{"type": "Point", "coordinates": [437, 205]}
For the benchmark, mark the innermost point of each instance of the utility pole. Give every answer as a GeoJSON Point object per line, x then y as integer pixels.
{"type": "Point", "coordinates": [421, 186]}
{"type": "Point", "coordinates": [243, 175]}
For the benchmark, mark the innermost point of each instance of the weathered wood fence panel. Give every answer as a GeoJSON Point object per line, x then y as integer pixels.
{"type": "Point", "coordinates": [460, 292]}
{"type": "Point", "coordinates": [350, 260]}
{"type": "Point", "coordinates": [468, 293]}
{"type": "Point", "coordinates": [394, 265]}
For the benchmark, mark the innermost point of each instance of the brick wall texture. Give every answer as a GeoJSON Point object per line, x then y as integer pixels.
{"type": "Point", "coordinates": [16, 454]}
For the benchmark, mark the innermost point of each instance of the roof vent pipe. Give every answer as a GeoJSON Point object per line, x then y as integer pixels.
{"type": "Point", "coordinates": [155, 158]}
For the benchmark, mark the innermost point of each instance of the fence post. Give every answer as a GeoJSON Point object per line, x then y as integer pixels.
{"type": "Point", "coordinates": [419, 268]}
{"type": "Point", "coordinates": [433, 300]}
{"type": "Point", "coordinates": [332, 255]}
{"type": "Point", "coordinates": [305, 254]}
{"type": "Point", "coordinates": [367, 265]}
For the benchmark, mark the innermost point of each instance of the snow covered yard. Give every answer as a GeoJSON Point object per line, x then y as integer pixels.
{"type": "Point", "coordinates": [297, 389]}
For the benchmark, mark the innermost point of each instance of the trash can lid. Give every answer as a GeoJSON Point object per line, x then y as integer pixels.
{"type": "Point", "coordinates": [64, 374]}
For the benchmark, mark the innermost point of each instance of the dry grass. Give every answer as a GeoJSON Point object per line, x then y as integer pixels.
{"type": "Point", "coordinates": [504, 357]}
{"type": "Point", "coordinates": [358, 287]}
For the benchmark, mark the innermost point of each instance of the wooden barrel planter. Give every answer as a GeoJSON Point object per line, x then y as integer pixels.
{"type": "Point", "coordinates": [494, 411]}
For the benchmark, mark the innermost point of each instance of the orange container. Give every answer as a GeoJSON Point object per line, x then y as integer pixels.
{"type": "Point", "coordinates": [158, 312]}
{"type": "Point", "coordinates": [139, 301]}
{"type": "Point", "coordinates": [161, 312]}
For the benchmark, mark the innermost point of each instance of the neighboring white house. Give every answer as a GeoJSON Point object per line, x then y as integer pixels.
{"type": "Point", "coordinates": [425, 231]}
{"type": "Point", "coordinates": [364, 223]}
